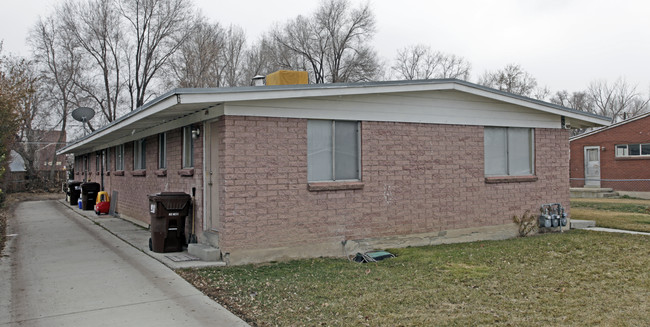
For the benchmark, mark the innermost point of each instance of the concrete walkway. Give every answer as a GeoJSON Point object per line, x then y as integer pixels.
{"type": "Point", "coordinates": [61, 269]}
{"type": "Point", "coordinates": [612, 230]}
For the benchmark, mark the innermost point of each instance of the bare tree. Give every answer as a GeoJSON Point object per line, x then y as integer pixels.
{"type": "Point", "coordinates": [333, 42]}
{"type": "Point", "coordinates": [97, 29]}
{"type": "Point", "coordinates": [576, 100]}
{"type": "Point", "coordinates": [421, 62]}
{"type": "Point", "coordinates": [158, 28]}
{"type": "Point", "coordinates": [196, 63]}
{"type": "Point", "coordinates": [58, 59]}
{"type": "Point", "coordinates": [512, 79]}
{"type": "Point", "coordinates": [618, 100]}
{"type": "Point", "coordinates": [13, 89]}
{"type": "Point", "coordinates": [233, 56]}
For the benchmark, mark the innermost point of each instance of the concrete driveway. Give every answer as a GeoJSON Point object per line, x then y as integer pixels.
{"type": "Point", "coordinates": [61, 269]}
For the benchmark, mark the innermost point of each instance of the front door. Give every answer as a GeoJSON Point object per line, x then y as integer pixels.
{"type": "Point", "coordinates": [212, 176]}
{"type": "Point", "coordinates": [592, 166]}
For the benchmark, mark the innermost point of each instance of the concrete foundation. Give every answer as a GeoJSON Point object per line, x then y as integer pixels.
{"type": "Point", "coordinates": [339, 248]}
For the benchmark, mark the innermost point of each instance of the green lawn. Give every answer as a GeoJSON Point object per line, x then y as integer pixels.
{"type": "Point", "coordinates": [572, 278]}
{"type": "Point", "coordinates": [614, 213]}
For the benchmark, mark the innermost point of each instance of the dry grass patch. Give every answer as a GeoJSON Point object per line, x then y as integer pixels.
{"type": "Point", "coordinates": [614, 213]}
{"type": "Point", "coordinates": [572, 278]}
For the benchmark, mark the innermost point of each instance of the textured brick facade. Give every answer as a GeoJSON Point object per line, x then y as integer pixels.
{"type": "Point", "coordinates": [133, 186]}
{"type": "Point", "coordinates": [417, 178]}
{"type": "Point", "coordinates": [611, 167]}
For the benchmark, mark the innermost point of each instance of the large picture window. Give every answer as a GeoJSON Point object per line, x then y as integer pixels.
{"type": "Point", "coordinates": [509, 151]}
{"type": "Point", "coordinates": [633, 150]}
{"type": "Point", "coordinates": [188, 147]}
{"type": "Point", "coordinates": [119, 157]}
{"type": "Point", "coordinates": [139, 154]}
{"type": "Point", "coordinates": [333, 150]}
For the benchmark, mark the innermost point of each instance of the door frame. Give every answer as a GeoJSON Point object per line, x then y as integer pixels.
{"type": "Point", "coordinates": [586, 161]}
{"type": "Point", "coordinates": [210, 179]}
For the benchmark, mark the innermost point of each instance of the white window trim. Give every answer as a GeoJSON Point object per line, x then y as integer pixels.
{"type": "Point", "coordinates": [531, 159]}
{"type": "Point", "coordinates": [334, 155]}
{"type": "Point", "coordinates": [627, 150]}
{"type": "Point", "coordinates": [139, 154]}
{"type": "Point", "coordinates": [162, 151]}
{"type": "Point", "coordinates": [119, 157]}
{"type": "Point", "coordinates": [187, 141]}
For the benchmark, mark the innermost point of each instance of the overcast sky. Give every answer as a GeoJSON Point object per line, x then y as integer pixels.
{"type": "Point", "coordinates": [565, 44]}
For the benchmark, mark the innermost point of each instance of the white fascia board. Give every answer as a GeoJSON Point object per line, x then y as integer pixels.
{"type": "Point", "coordinates": [520, 102]}
{"type": "Point", "coordinates": [304, 93]}
{"type": "Point", "coordinates": [378, 89]}
{"type": "Point", "coordinates": [160, 106]}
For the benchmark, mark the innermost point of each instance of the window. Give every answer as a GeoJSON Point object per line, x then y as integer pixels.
{"type": "Point", "coordinates": [119, 157]}
{"type": "Point", "coordinates": [629, 150]}
{"type": "Point", "coordinates": [107, 166]}
{"type": "Point", "coordinates": [162, 150]}
{"type": "Point", "coordinates": [188, 147]}
{"type": "Point", "coordinates": [97, 161]}
{"type": "Point", "coordinates": [333, 149]}
{"type": "Point", "coordinates": [139, 154]}
{"type": "Point", "coordinates": [508, 151]}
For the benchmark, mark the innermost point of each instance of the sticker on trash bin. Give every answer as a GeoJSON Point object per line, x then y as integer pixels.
{"type": "Point", "coordinates": [152, 208]}
{"type": "Point", "coordinates": [174, 213]}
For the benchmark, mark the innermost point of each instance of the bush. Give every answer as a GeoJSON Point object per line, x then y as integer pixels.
{"type": "Point", "coordinates": [527, 223]}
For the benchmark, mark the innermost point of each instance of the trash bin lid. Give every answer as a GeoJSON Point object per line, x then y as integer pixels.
{"type": "Point", "coordinates": [171, 200]}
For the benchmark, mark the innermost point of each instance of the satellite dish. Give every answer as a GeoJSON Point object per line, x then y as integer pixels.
{"type": "Point", "coordinates": [83, 114]}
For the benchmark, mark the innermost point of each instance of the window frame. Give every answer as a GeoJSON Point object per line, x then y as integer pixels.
{"type": "Point", "coordinates": [162, 151]}
{"type": "Point", "coordinates": [187, 141]}
{"type": "Point", "coordinates": [508, 173]}
{"type": "Point", "coordinates": [140, 154]}
{"type": "Point", "coordinates": [107, 166]}
{"type": "Point", "coordinates": [333, 152]}
{"type": "Point", "coordinates": [119, 157]}
{"type": "Point", "coordinates": [626, 151]}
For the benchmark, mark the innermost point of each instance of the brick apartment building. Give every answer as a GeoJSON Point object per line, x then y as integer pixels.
{"type": "Point", "coordinates": [616, 156]}
{"type": "Point", "coordinates": [289, 171]}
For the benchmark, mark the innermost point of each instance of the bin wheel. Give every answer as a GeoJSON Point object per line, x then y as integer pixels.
{"type": "Point", "coordinates": [150, 245]}
{"type": "Point", "coordinates": [97, 212]}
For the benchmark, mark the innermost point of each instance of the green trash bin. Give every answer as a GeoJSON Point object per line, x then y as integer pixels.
{"type": "Point", "coordinates": [168, 211]}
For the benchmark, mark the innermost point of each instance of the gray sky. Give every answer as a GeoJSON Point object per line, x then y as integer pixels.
{"type": "Point", "coordinates": [564, 44]}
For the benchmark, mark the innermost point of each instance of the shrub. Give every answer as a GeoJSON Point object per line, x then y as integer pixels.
{"type": "Point", "coordinates": [527, 223]}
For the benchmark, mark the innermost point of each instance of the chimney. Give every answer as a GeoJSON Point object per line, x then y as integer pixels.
{"type": "Point", "coordinates": [287, 77]}
{"type": "Point", "coordinates": [258, 80]}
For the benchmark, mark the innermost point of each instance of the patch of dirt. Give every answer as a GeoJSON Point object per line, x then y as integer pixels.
{"type": "Point", "coordinates": [12, 201]}
{"type": "Point", "coordinates": [218, 295]}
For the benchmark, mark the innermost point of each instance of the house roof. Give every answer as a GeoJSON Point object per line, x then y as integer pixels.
{"type": "Point", "coordinates": [179, 103]}
{"type": "Point", "coordinates": [602, 129]}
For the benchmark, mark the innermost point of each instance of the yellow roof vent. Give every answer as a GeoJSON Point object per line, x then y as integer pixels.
{"type": "Point", "coordinates": [287, 77]}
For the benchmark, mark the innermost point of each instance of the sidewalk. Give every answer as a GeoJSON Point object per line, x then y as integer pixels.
{"type": "Point", "coordinates": [61, 269]}
{"type": "Point", "coordinates": [137, 235]}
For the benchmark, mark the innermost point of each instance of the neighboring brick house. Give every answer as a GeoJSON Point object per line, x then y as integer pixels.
{"type": "Point", "coordinates": [616, 156]}
{"type": "Point", "coordinates": [326, 170]}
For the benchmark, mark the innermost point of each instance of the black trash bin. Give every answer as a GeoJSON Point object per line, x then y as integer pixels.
{"type": "Point", "coordinates": [168, 211]}
{"type": "Point", "coordinates": [89, 195]}
{"type": "Point", "coordinates": [73, 192]}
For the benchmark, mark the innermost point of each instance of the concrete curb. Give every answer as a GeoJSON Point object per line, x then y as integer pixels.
{"type": "Point", "coordinates": [137, 235]}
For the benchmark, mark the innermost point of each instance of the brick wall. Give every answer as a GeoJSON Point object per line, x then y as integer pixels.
{"type": "Point", "coordinates": [611, 167]}
{"type": "Point", "coordinates": [133, 187]}
{"type": "Point", "coordinates": [417, 178]}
